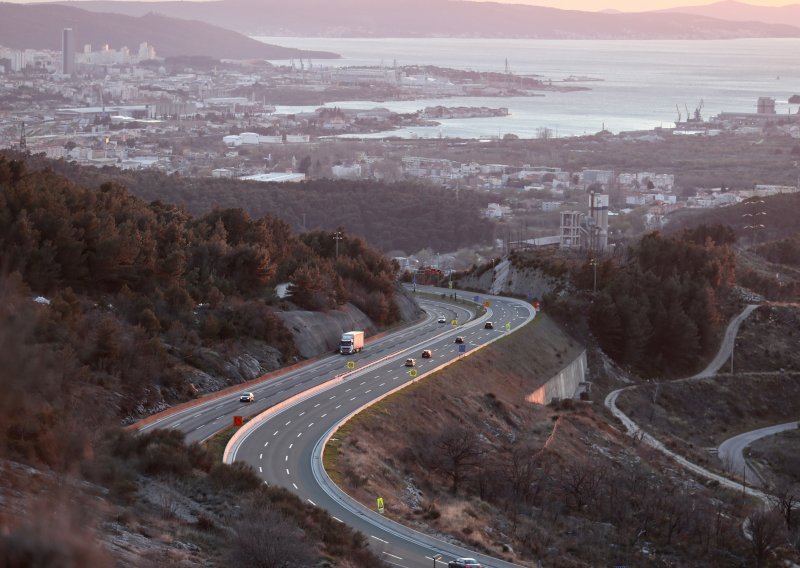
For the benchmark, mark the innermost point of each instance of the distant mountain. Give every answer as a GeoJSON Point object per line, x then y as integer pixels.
{"type": "Point", "coordinates": [38, 26]}
{"type": "Point", "coordinates": [442, 18]}
{"type": "Point", "coordinates": [741, 12]}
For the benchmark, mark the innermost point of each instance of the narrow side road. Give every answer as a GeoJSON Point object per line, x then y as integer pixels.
{"type": "Point", "coordinates": [731, 451]}
{"type": "Point", "coordinates": [634, 430]}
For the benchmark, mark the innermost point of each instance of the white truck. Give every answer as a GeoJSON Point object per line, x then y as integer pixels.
{"type": "Point", "coordinates": [351, 342]}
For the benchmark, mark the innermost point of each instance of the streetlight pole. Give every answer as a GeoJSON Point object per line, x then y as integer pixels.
{"type": "Point", "coordinates": [593, 263]}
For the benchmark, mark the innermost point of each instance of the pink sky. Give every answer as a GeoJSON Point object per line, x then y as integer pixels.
{"type": "Point", "coordinates": [630, 5]}
{"type": "Point", "coordinates": [595, 5]}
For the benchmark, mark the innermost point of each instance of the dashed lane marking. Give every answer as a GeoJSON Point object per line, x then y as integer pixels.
{"type": "Point", "coordinates": [380, 539]}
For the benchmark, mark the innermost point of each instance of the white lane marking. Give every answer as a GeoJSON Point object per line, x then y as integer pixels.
{"type": "Point", "coordinates": [300, 434]}
{"type": "Point", "coordinates": [265, 444]}
{"type": "Point", "coordinates": [389, 371]}
{"type": "Point", "coordinates": [339, 406]}
{"type": "Point", "coordinates": [338, 519]}
{"type": "Point", "coordinates": [348, 390]}
{"type": "Point", "coordinates": [289, 422]}
{"type": "Point", "coordinates": [302, 413]}
{"type": "Point", "coordinates": [261, 456]}
{"type": "Point", "coordinates": [368, 391]}
{"type": "Point", "coordinates": [380, 539]}
{"type": "Point", "coordinates": [294, 485]}
{"type": "Point", "coordinates": [331, 398]}
{"type": "Point", "coordinates": [392, 555]}
{"type": "Point", "coordinates": [276, 432]}
{"type": "Point", "coordinates": [316, 405]}
{"type": "Point", "coordinates": [290, 446]}
{"type": "Point", "coordinates": [287, 471]}
{"type": "Point", "coordinates": [287, 459]}
{"type": "Point", "coordinates": [324, 415]}
{"type": "Point", "coordinates": [312, 502]}
{"type": "Point", "coordinates": [259, 469]}
{"type": "Point", "coordinates": [352, 399]}
{"type": "Point", "coordinates": [362, 384]}
{"type": "Point", "coordinates": [199, 426]}
{"type": "Point", "coordinates": [380, 385]}
{"type": "Point", "coordinates": [310, 425]}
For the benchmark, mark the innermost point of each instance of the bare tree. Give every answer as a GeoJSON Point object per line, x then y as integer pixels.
{"type": "Point", "coordinates": [784, 498]}
{"type": "Point", "coordinates": [264, 538]}
{"type": "Point", "coordinates": [580, 483]}
{"type": "Point", "coordinates": [457, 453]}
{"type": "Point", "coordinates": [765, 530]}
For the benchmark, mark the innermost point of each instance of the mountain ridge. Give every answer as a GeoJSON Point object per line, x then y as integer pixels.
{"type": "Point", "coordinates": [39, 26]}
{"type": "Point", "coordinates": [444, 18]}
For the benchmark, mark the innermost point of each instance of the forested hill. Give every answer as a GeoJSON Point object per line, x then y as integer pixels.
{"type": "Point", "coordinates": [140, 294]}
{"type": "Point", "coordinates": [404, 216]}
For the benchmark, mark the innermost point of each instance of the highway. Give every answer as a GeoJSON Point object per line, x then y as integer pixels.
{"type": "Point", "coordinates": [200, 422]}
{"type": "Point", "coordinates": [285, 444]}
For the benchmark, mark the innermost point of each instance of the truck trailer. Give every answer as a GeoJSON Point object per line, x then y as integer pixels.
{"type": "Point", "coordinates": [351, 342]}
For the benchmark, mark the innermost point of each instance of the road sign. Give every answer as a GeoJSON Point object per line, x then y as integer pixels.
{"type": "Point", "coordinates": [477, 299]}
{"type": "Point", "coordinates": [412, 373]}
{"type": "Point", "coordinates": [454, 322]}
{"type": "Point", "coordinates": [487, 304]}
{"type": "Point", "coordinates": [536, 305]}
{"type": "Point", "coordinates": [380, 505]}
{"type": "Point", "coordinates": [508, 326]}
{"type": "Point", "coordinates": [238, 421]}
{"type": "Point", "coordinates": [351, 365]}
{"type": "Point", "coordinates": [450, 285]}
{"type": "Point", "coordinates": [462, 348]}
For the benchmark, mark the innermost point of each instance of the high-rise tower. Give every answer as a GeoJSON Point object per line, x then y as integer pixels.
{"type": "Point", "coordinates": [68, 51]}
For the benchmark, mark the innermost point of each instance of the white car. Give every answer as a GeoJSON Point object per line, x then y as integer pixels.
{"type": "Point", "coordinates": [247, 397]}
{"type": "Point", "coordinates": [411, 362]}
{"type": "Point", "coordinates": [442, 319]}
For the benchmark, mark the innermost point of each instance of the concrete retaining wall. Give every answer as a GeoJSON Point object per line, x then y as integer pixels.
{"type": "Point", "coordinates": [563, 385]}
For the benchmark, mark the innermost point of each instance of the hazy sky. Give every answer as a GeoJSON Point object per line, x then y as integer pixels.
{"type": "Point", "coordinates": [597, 5]}
{"type": "Point", "coordinates": [631, 5]}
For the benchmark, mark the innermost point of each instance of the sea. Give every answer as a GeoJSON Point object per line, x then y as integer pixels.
{"type": "Point", "coordinates": [633, 84]}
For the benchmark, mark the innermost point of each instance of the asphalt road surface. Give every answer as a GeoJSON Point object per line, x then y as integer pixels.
{"type": "Point", "coordinates": [731, 451]}
{"type": "Point", "coordinates": [285, 446]}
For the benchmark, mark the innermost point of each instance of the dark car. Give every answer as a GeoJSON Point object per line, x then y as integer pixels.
{"type": "Point", "coordinates": [464, 563]}
{"type": "Point", "coordinates": [488, 325]}
{"type": "Point", "coordinates": [427, 354]}
{"type": "Point", "coordinates": [459, 339]}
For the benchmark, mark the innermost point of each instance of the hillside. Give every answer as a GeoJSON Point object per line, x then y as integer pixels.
{"type": "Point", "coordinates": [39, 26]}
{"type": "Point", "coordinates": [390, 216]}
{"type": "Point", "coordinates": [559, 485]}
{"type": "Point", "coordinates": [744, 12]}
{"type": "Point", "coordinates": [443, 18]}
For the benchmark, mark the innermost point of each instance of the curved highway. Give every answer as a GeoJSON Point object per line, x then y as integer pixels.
{"type": "Point", "coordinates": [286, 443]}
{"type": "Point", "coordinates": [201, 421]}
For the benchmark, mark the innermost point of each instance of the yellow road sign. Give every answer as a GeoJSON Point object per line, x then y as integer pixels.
{"type": "Point", "coordinates": [508, 326]}
{"type": "Point", "coordinates": [487, 304]}
{"type": "Point", "coordinates": [412, 373]}
{"type": "Point", "coordinates": [380, 505]}
{"type": "Point", "coordinates": [351, 365]}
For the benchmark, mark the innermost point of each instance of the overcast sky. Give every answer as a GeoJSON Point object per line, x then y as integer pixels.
{"type": "Point", "coordinates": [597, 5]}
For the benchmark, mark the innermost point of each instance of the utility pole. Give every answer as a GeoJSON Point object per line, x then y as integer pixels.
{"type": "Point", "coordinates": [754, 226]}
{"type": "Point", "coordinates": [337, 236]}
{"type": "Point", "coordinates": [593, 263]}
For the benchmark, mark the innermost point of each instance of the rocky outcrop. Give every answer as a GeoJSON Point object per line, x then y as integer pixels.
{"type": "Point", "coordinates": [505, 278]}
{"type": "Point", "coordinates": [316, 333]}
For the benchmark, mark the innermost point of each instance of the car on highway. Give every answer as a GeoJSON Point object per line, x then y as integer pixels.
{"type": "Point", "coordinates": [427, 354]}
{"type": "Point", "coordinates": [464, 563]}
{"type": "Point", "coordinates": [488, 325]}
{"type": "Point", "coordinates": [442, 319]}
{"type": "Point", "coordinates": [459, 339]}
{"type": "Point", "coordinates": [411, 362]}
{"type": "Point", "coordinates": [247, 397]}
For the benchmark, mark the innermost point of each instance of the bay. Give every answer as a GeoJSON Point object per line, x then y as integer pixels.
{"type": "Point", "coordinates": [641, 82]}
